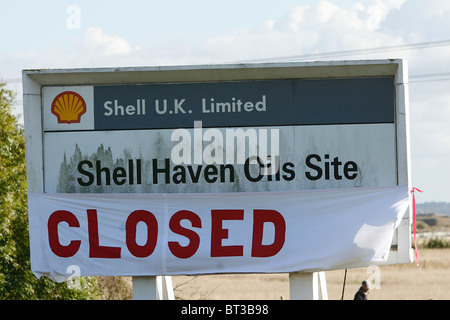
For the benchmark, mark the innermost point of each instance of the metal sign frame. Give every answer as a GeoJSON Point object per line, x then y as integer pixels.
{"type": "Point", "coordinates": [35, 80]}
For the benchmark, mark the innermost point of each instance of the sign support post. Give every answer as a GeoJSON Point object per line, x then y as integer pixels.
{"type": "Point", "coordinates": [164, 288]}
{"type": "Point", "coordinates": [152, 288]}
{"type": "Point", "coordinates": [306, 286]}
{"type": "Point", "coordinates": [144, 288]}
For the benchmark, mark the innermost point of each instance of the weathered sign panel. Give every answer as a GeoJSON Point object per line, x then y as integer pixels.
{"type": "Point", "coordinates": [222, 136]}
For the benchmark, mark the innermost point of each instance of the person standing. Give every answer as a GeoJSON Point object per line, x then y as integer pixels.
{"type": "Point", "coordinates": [361, 294]}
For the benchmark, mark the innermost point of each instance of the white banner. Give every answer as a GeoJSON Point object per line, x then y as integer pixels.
{"type": "Point", "coordinates": [170, 234]}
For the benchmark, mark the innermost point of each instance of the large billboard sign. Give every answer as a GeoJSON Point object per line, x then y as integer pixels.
{"type": "Point", "coordinates": [204, 169]}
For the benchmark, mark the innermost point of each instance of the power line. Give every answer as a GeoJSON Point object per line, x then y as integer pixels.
{"type": "Point", "coordinates": [441, 76]}
{"type": "Point", "coordinates": [445, 76]}
{"type": "Point", "coordinates": [413, 78]}
{"type": "Point", "coordinates": [418, 45]}
{"type": "Point", "coordinates": [429, 80]}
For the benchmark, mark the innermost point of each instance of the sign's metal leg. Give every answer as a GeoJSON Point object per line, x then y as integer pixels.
{"type": "Point", "coordinates": [153, 288]}
{"type": "Point", "coordinates": [144, 288]}
{"type": "Point", "coordinates": [305, 286]}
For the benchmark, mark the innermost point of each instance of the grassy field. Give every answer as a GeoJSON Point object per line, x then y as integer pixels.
{"type": "Point", "coordinates": [431, 280]}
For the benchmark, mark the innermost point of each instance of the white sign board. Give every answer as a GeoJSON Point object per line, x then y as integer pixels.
{"type": "Point", "coordinates": [228, 150]}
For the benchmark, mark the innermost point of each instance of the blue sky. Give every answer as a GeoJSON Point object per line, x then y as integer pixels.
{"type": "Point", "coordinates": [41, 24]}
{"type": "Point", "coordinates": [99, 33]}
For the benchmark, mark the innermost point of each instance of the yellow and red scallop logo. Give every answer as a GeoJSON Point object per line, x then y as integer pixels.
{"type": "Point", "coordinates": [68, 107]}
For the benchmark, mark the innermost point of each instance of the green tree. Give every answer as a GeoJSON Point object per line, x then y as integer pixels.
{"type": "Point", "coordinates": [16, 279]}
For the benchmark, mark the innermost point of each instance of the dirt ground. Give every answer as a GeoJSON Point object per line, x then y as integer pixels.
{"type": "Point", "coordinates": [431, 280]}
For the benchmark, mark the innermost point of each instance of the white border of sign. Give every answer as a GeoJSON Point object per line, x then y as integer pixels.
{"type": "Point", "coordinates": [34, 80]}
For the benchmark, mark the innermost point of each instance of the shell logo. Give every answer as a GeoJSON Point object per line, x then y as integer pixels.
{"type": "Point", "coordinates": [68, 107]}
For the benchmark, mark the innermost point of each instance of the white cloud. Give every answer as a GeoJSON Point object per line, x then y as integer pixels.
{"type": "Point", "coordinates": [322, 27]}
{"type": "Point", "coordinates": [92, 48]}
{"type": "Point", "coordinates": [94, 39]}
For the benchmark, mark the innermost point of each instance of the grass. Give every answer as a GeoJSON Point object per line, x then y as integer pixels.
{"type": "Point", "coordinates": [431, 280]}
